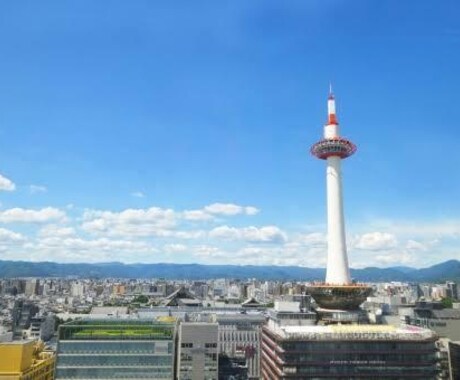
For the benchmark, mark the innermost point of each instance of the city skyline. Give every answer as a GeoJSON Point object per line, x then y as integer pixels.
{"type": "Point", "coordinates": [154, 133]}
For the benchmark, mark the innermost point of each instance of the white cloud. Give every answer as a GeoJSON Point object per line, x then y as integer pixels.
{"type": "Point", "coordinates": [6, 184]}
{"type": "Point", "coordinates": [138, 194]}
{"type": "Point", "coordinates": [21, 215]}
{"type": "Point", "coordinates": [188, 234]}
{"type": "Point", "coordinates": [230, 209]}
{"type": "Point", "coordinates": [34, 189]}
{"type": "Point", "coordinates": [133, 235]}
{"type": "Point", "coordinates": [156, 221]}
{"type": "Point", "coordinates": [153, 221]}
{"type": "Point", "coordinates": [376, 241]}
{"type": "Point", "coordinates": [210, 212]}
{"type": "Point", "coordinates": [53, 230]}
{"type": "Point", "coordinates": [197, 215]}
{"type": "Point", "coordinates": [174, 248]}
{"type": "Point", "coordinates": [10, 236]}
{"type": "Point", "coordinates": [266, 234]}
{"type": "Point", "coordinates": [76, 249]}
{"type": "Point", "coordinates": [423, 229]}
{"type": "Point", "coordinates": [250, 210]}
{"type": "Point", "coordinates": [208, 252]}
{"type": "Point", "coordinates": [394, 258]}
{"type": "Point", "coordinates": [312, 239]}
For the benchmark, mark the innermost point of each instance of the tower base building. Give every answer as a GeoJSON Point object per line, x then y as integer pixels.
{"type": "Point", "coordinates": [347, 352]}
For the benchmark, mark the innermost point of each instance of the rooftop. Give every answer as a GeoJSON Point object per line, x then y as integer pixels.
{"type": "Point", "coordinates": [354, 332]}
{"type": "Point", "coordinates": [109, 310]}
{"type": "Point", "coordinates": [115, 329]}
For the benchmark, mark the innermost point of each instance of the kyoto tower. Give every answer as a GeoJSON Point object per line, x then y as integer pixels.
{"type": "Point", "coordinates": [338, 292]}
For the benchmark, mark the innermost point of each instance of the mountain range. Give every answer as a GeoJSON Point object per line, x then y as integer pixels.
{"type": "Point", "coordinates": [449, 270]}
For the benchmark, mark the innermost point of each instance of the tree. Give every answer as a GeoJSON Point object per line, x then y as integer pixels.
{"type": "Point", "coordinates": [141, 299]}
{"type": "Point", "coordinates": [447, 302]}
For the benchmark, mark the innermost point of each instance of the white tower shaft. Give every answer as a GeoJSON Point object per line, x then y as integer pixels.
{"type": "Point", "coordinates": [337, 260]}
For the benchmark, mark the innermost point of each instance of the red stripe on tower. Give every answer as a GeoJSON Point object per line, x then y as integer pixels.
{"type": "Point", "coordinates": [332, 117]}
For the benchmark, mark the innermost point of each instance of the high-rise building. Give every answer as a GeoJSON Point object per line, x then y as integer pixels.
{"type": "Point", "coordinates": [77, 289]}
{"type": "Point", "coordinates": [25, 360]}
{"type": "Point", "coordinates": [31, 287]}
{"type": "Point", "coordinates": [452, 290]}
{"type": "Point", "coordinates": [197, 351]}
{"type": "Point", "coordinates": [116, 348]}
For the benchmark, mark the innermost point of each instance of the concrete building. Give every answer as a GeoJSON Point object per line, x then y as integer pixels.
{"type": "Point", "coordinates": [445, 322]}
{"type": "Point", "coordinates": [23, 312]}
{"type": "Point", "coordinates": [452, 290]}
{"type": "Point", "coordinates": [42, 327]}
{"type": "Point", "coordinates": [116, 348]}
{"type": "Point", "coordinates": [31, 287]}
{"type": "Point", "coordinates": [454, 360]}
{"type": "Point", "coordinates": [77, 289]}
{"type": "Point", "coordinates": [197, 351]}
{"type": "Point", "coordinates": [25, 360]}
{"type": "Point", "coordinates": [347, 351]}
{"type": "Point", "coordinates": [239, 339]}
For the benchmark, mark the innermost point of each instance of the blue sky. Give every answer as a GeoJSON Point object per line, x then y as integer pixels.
{"type": "Point", "coordinates": [179, 131]}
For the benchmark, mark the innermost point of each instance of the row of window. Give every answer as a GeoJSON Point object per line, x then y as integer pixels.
{"type": "Point", "coordinates": [314, 346]}
{"type": "Point", "coordinates": [95, 347]}
{"type": "Point", "coordinates": [115, 361]}
{"type": "Point", "coordinates": [414, 358]}
{"type": "Point", "coordinates": [206, 345]}
{"type": "Point", "coordinates": [114, 373]}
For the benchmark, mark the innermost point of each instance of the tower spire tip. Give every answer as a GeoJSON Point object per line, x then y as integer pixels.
{"type": "Point", "coordinates": [331, 93]}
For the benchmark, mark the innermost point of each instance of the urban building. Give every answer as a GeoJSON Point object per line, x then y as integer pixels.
{"type": "Point", "coordinates": [42, 327]}
{"type": "Point", "coordinates": [116, 348]}
{"type": "Point", "coordinates": [26, 360]}
{"type": "Point", "coordinates": [452, 290]}
{"type": "Point", "coordinates": [197, 351]}
{"type": "Point", "coordinates": [232, 368]}
{"type": "Point", "coordinates": [454, 360]}
{"type": "Point", "coordinates": [239, 339]}
{"type": "Point", "coordinates": [22, 314]}
{"type": "Point", "coordinates": [348, 351]}
{"type": "Point", "coordinates": [445, 322]}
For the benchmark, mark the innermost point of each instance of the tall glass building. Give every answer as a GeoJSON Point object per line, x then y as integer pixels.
{"type": "Point", "coordinates": [116, 349]}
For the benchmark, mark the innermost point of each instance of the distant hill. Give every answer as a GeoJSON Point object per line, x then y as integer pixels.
{"type": "Point", "coordinates": [449, 270]}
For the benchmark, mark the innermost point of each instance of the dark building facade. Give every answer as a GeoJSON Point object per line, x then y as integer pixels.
{"type": "Point", "coordinates": [454, 358]}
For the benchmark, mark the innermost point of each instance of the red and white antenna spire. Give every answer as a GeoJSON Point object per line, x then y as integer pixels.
{"type": "Point", "coordinates": [331, 129]}
{"type": "Point", "coordinates": [331, 115]}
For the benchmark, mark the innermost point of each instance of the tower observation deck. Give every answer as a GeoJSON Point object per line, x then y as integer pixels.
{"type": "Point", "coordinates": [338, 291]}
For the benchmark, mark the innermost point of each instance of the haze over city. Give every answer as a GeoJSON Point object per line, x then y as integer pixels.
{"type": "Point", "coordinates": [180, 132]}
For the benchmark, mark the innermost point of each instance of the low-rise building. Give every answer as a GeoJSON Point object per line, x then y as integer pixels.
{"type": "Point", "coordinates": [26, 360]}
{"type": "Point", "coordinates": [116, 348]}
{"type": "Point", "coordinates": [239, 338]}
{"type": "Point", "coordinates": [197, 351]}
